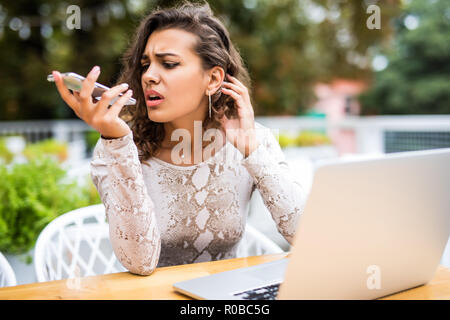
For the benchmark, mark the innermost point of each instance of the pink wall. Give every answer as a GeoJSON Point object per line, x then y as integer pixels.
{"type": "Point", "coordinates": [332, 100]}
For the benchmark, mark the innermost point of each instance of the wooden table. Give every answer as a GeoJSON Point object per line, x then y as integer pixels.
{"type": "Point", "coordinates": [158, 285]}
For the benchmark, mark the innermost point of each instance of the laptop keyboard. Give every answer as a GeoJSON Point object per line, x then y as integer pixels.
{"type": "Point", "coordinates": [262, 293]}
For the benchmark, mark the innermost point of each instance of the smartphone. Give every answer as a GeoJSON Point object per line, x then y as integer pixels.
{"type": "Point", "coordinates": [74, 82]}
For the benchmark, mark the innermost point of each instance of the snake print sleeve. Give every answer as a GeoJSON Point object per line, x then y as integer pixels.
{"type": "Point", "coordinates": [283, 195]}
{"type": "Point", "coordinates": [117, 174]}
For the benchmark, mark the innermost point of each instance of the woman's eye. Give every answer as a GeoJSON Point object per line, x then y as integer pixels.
{"type": "Point", "coordinates": [166, 65]}
{"type": "Point", "coordinates": [170, 65]}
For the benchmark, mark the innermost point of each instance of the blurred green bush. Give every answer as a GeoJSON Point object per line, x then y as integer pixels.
{"type": "Point", "coordinates": [91, 138]}
{"type": "Point", "coordinates": [47, 148]}
{"type": "Point", "coordinates": [32, 194]}
{"type": "Point", "coordinates": [6, 156]}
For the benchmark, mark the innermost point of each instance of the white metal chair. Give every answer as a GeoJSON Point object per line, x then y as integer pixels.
{"type": "Point", "coordinates": [445, 259]}
{"type": "Point", "coordinates": [255, 243]}
{"type": "Point", "coordinates": [76, 244]}
{"type": "Point", "coordinates": [7, 275]}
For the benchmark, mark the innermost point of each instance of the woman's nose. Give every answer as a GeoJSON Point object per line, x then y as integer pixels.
{"type": "Point", "coordinates": [150, 75]}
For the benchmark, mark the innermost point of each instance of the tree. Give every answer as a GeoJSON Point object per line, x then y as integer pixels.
{"type": "Point", "coordinates": [288, 46]}
{"type": "Point", "coordinates": [417, 78]}
{"type": "Point", "coordinates": [27, 57]}
{"type": "Point", "coordinates": [291, 45]}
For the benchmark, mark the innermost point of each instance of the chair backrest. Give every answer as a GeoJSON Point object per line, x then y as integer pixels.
{"type": "Point", "coordinates": [255, 243]}
{"type": "Point", "coordinates": [7, 275]}
{"type": "Point", "coordinates": [75, 244]}
{"type": "Point", "coordinates": [445, 259]}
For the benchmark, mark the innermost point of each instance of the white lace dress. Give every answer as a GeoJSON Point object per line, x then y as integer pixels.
{"type": "Point", "coordinates": [161, 214]}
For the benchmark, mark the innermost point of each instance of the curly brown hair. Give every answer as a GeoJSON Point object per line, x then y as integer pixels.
{"type": "Point", "coordinates": [213, 46]}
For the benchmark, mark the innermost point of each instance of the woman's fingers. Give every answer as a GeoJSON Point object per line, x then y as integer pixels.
{"type": "Point", "coordinates": [236, 82]}
{"type": "Point", "coordinates": [77, 96]}
{"type": "Point", "coordinates": [118, 105]}
{"type": "Point", "coordinates": [88, 85]}
{"type": "Point", "coordinates": [233, 86]}
{"type": "Point", "coordinates": [108, 95]}
{"type": "Point", "coordinates": [236, 96]}
{"type": "Point", "coordinates": [64, 92]}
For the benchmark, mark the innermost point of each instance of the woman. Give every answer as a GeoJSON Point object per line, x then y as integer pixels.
{"type": "Point", "coordinates": [162, 213]}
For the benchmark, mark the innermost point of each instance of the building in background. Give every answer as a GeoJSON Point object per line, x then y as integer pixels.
{"type": "Point", "coordinates": [338, 100]}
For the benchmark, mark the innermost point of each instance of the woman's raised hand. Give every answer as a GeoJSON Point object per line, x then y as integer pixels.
{"type": "Point", "coordinates": [98, 115]}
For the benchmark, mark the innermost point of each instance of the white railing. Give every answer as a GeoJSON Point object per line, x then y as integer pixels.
{"type": "Point", "coordinates": [368, 131]}
{"type": "Point", "coordinates": [69, 131]}
{"type": "Point", "coordinates": [35, 130]}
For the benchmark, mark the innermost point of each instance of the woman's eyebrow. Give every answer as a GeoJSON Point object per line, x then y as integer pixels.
{"type": "Point", "coordinates": [159, 55]}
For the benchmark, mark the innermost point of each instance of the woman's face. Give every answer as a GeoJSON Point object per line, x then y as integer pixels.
{"type": "Point", "coordinates": [179, 78]}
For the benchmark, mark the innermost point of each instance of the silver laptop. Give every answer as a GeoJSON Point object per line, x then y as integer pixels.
{"type": "Point", "coordinates": [370, 228]}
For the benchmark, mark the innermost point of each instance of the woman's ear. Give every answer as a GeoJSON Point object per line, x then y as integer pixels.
{"type": "Point", "coordinates": [217, 76]}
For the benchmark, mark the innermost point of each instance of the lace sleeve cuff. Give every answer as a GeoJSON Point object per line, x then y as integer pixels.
{"type": "Point", "coordinates": [117, 143]}
{"type": "Point", "coordinates": [259, 163]}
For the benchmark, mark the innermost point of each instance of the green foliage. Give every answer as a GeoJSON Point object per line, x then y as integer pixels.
{"type": "Point", "coordinates": [46, 148]}
{"type": "Point", "coordinates": [311, 138]}
{"type": "Point", "coordinates": [32, 195]}
{"type": "Point", "coordinates": [303, 139]}
{"type": "Point", "coordinates": [285, 50]}
{"type": "Point", "coordinates": [6, 156]}
{"type": "Point", "coordinates": [288, 52]}
{"type": "Point", "coordinates": [286, 140]}
{"type": "Point", "coordinates": [91, 138]}
{"type": "Point", "coordinates": [417, 79]}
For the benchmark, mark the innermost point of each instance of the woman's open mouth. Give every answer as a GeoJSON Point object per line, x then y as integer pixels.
{"type": "Point", "coordinates": [153, 98]}
{"type": "Point", "coordinates": [152, 102]}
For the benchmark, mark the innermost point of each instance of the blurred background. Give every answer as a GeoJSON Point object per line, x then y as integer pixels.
{"type": "Point", "coordinates": [334, 79]}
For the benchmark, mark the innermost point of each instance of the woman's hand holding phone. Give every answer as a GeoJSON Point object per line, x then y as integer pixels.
{"type": "Point", "coordinates": [98, 115]}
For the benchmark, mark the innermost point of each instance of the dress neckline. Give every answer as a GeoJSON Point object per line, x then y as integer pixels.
{"type": "Point", "coordinates": [167, 164]}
